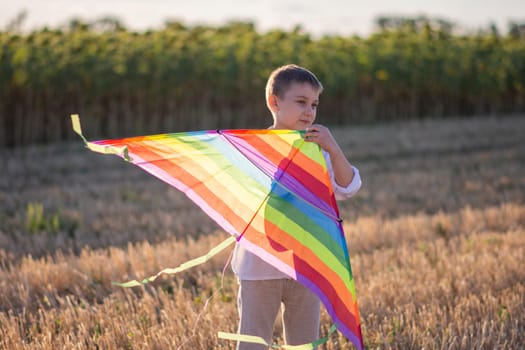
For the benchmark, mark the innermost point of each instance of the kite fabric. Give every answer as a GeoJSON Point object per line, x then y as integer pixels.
{"type": "Point", "coordinates": [271, 191]}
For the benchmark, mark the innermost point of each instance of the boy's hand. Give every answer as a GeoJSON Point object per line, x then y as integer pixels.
{"type": "Point", "coordinates": [343, 171]}
{"type": "Point", "coordinates": [323, 137]}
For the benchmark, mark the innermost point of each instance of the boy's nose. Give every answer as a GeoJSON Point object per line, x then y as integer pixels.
{"type": "Point", "coordinates": [310, 110]}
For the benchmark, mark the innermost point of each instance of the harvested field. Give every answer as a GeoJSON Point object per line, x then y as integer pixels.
{"type": "Point", "coordinates": [436, 238]}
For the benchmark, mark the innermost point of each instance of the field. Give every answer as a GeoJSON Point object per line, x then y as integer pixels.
{"type": "Point", "coordinates": [436, 238]}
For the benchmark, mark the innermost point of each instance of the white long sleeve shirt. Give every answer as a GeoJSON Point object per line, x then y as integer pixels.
{"type": "Point", "coordinates": [248, 266]}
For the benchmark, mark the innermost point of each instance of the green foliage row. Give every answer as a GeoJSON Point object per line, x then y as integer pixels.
{"type": "Point", "coordinates": [180, 78]}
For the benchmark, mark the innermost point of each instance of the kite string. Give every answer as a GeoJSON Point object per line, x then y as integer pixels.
{"type": "Point", "coordinates": [296, 150]}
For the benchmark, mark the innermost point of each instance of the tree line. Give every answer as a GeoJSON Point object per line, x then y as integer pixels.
{"type": "Point", "coordinates": [181, 77]}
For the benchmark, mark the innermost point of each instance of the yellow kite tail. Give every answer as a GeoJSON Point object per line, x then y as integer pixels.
{"type": "Point", "coordinates": [189, 264]}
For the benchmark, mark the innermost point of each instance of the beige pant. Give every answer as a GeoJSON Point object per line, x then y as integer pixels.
{"type": "Point", "coordinates": [259, 303]}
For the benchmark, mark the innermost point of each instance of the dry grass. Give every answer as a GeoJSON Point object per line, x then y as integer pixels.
{"type": "Point", "coordinates": [437, 240]}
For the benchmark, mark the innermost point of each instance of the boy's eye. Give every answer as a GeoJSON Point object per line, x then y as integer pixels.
{"type": "Point", "coordinates": [303, 102]}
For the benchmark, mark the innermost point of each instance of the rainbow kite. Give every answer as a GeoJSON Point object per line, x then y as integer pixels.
{"type": "Point", "coordinates": [271, 191]}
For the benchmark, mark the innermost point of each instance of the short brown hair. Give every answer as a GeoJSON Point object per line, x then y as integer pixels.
{"type": "Point", "coordinates": [281, 78]}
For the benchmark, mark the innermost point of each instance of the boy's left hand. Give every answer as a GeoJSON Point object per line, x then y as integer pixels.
{"type": "Point", "coordinates": [343, 171]}
{"type": "Point", "coordinates": [322, 136]}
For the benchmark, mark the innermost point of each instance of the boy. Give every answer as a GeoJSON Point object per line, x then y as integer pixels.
{"type": "Point", "coordinates": [292, 96]}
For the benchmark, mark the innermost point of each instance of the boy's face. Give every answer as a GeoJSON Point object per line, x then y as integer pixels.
{"type": "Point", "coordinates": [297, 109]}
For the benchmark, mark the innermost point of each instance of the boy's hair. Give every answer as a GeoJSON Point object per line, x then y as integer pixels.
{"type": "Point", "coordinates": [281, 78]}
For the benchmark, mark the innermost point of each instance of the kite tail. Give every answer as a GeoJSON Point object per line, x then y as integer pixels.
{"type": "Point", "coordinates": [189, 264]}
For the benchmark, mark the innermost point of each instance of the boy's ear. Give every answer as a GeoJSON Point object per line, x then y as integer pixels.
{"type": "Point", "coordinates": [273, 103]}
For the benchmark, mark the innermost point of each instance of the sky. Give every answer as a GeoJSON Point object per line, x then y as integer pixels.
{"type": "Point", "coordinates": [318, 17]}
